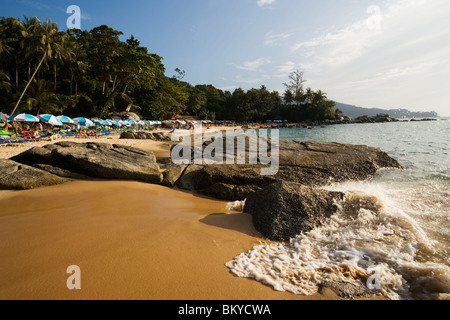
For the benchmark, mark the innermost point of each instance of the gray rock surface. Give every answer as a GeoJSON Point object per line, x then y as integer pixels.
{"type": "Point", "coordinates": [98, 160]}
{"type": "Point", "coordinates": [16, 176]}
{"type": "Point", "coordinates": [284, 210]}
{"type": "Point", "coordinates": [307, 163]}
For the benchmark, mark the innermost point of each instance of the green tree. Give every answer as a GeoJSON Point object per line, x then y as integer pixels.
{"type": "Point", "coordinates": [295, 89]}
{"type": "Point", "coordinates": [48, 35]}
{"type": "Point", "coordinates": [41, 99]}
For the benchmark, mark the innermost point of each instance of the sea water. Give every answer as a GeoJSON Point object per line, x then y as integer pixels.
{"type": "Point", "coordinates": [390, 233]}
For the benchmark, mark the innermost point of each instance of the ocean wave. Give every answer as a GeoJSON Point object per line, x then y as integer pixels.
{"type": "Point", "coordinates": [371, 242]}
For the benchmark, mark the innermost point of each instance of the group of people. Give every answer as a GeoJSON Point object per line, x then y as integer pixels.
{"type": "Point", "coordinates": [88, 133]}
{"type": "Point", "coordinates": [33, 133]}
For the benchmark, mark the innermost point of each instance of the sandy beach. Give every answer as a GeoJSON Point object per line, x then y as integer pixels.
{"type": "Point", "coordinates": [131, 241]}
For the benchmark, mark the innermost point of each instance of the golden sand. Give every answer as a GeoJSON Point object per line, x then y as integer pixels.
{"type": "Point", "coordinates": [131, 240]}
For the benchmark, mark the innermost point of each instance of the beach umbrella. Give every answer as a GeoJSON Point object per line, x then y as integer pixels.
{"type": "Point", "coordinates": [107, 123]}
{"type": "Point", "coordinates": [65, 119]}
{"type": "Point", "coordinates": [50, 119]}
{"type": "Point", "coordinates": [3, 117]}
{"type": "Point", "coordinates": [97, 122]}
{"type": "Point", "coordinates": [24, 117]}
{"type": "Point", "coordinates": [83, 122]}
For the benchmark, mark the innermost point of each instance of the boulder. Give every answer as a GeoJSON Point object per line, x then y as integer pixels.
{"type": "Point", "coordinates": [127, 135]}
{"type": "Point", "coordinates": [61, 172]}
{"type": "Point", "coordinates": [99, 160]}
{"type": "Point", "coordinates": [188, 179]}
{"type": "Point", "coordinates": [172, 174]}
{"type": "Point", "coordinates": [124, 116]}
{"type": "Point", "coordinates": [16, 176]}
{"type": "Point", "coordinates": [230, 192]}
{"type": "Point", "coordinates": [307, 163]}
{"type": "Point", "coordinates": [284, 210]}
{"type": "Point", "coordinates": [123, 102]}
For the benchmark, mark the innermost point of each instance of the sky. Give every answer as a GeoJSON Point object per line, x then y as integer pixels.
{"type": "Point", "coordinates": [371, 53]}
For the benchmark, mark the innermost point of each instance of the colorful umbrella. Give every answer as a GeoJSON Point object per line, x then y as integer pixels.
{"type": "Point", "coordinates": [51, 119]}
{"type": "Point", "coordinates": [65, 119]}
{"type": "Point", "coordinates": [83, 122]}
{"type": "Point", "coordinates": [24, 117]}
{"type": "Point", "coordinates": [3, 117]}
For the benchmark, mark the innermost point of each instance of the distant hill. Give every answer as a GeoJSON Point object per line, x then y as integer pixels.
{"type": "Point", "coordinates": [355, 112]}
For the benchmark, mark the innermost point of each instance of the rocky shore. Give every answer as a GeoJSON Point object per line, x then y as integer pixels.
{"type": "Point", "coordinates": [282, 205]}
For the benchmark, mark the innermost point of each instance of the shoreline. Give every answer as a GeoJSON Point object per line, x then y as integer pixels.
{"type": "Point", "coordinates": [131, 240]}
{"type": "Point", "coordinates": [170, 246]}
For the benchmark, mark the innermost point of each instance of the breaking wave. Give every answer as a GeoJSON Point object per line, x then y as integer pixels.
{"type": "Point", "coordinates": [374, 241]}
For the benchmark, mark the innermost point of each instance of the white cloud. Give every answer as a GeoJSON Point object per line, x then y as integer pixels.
{"type": "Point", "coordinates": [262, 3]}
{"type": "Point", "coordinates": [287, 68]}
{"type": "Point", "coordinates": [386, 65]}
{"type": "Point", "coordinates": [254, 65]}
{"type": "Point", "coordinates": [273, 38]}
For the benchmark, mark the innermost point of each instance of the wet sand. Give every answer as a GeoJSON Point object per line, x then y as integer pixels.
{"type": "Point", "coordinates": [131, 241]}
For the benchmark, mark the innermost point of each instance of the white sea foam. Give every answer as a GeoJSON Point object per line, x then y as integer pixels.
{"type": "Point", "coordinates": [237, 206]}
{"type": "Point", "coordinates": [370, 237]}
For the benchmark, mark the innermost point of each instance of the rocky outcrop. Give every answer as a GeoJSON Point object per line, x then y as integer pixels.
{"type": "Point", "coordinates": [123, 102]}
{"type": "Point", "coordinates": [307, 163]}
{"type": "Point", "coordinates": [284, 210]}
{"type": "Point", "coordinates": [98, 160]}
{"type": "Point", "coordinates": [141, 135]}
{"type": "Point", "coordinates": [16, 176]}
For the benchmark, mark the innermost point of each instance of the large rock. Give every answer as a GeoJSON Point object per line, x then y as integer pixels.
{"type": "Point", "coordinates": [307, 163]}
{"type": "Point", "coordinates": [123, 102]}
{"type": "Point", "coordinates": [16, 176]}
{"type": "Point", "coordinates": [172, 174]}
{"type": "Point", "coordinates": [98, 160]}
{"type": "Point", "coordinates": [284, 210]}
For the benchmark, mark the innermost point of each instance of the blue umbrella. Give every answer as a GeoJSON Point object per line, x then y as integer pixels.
{"type": "Point", "coordinates": [83, 122]}
{"type": "Point", "coordinates": [24, 117]}
{"type": "Point", "coordinates": [51, 119]}
{"type": "Point", "coordinates": [65, 119]}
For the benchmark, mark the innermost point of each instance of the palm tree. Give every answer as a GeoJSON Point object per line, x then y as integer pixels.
{"type": "Point", "coordinates": [4, 48]}
{"type": "Point", "coordinates": [30, 42]}
{"type": "Point", "coordinates": [61, 53]}
{"type": "Point", "coordinates": [4, 81]}
{"type": "Point", "coordinates": [41, 98]}
{"type": "Point", "coordinates": [47, 34]}
{"type": "Point", "coordinates": [12, 34]}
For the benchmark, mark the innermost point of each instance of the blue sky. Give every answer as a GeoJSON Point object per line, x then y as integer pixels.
{"type": "Point", "coordinates": [371, 53]}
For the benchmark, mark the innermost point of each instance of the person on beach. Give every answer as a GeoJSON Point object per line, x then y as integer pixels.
{"type": "Point", "coordinates": [35, 133]}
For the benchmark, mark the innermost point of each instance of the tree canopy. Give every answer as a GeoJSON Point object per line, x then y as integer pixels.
{"type": "Point", "coordinates": [80, 72]}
